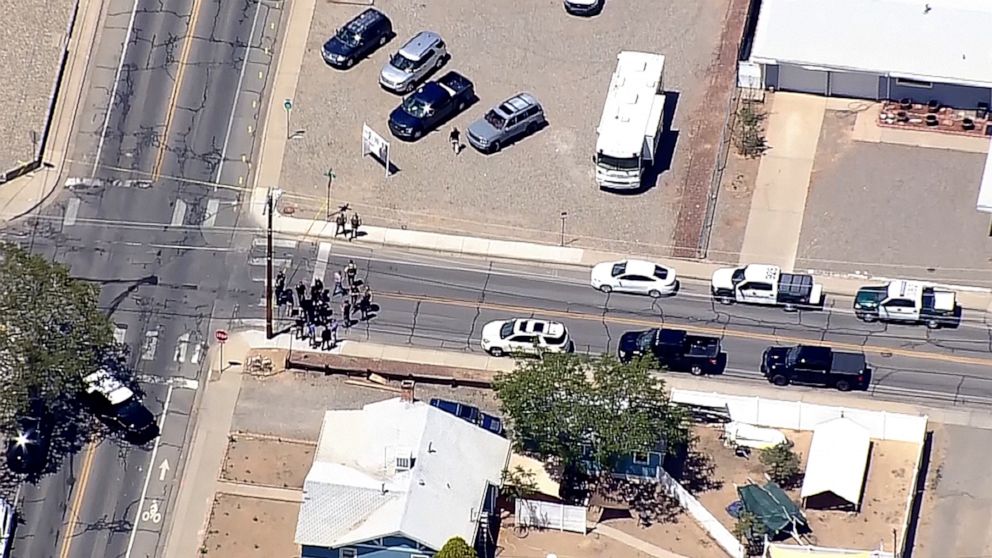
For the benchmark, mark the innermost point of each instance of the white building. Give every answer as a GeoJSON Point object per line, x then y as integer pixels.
{"type": "Point", "coordinates": [876, 49]}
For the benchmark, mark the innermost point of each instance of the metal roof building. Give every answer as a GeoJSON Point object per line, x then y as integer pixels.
{"type": "Point", "coordinates": [877, 49]}
{"type": "Point", "coordinates": [398, 476]}
{"type": "Point", "coordinates": [835, 470]}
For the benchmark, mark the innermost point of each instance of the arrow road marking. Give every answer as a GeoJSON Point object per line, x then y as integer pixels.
{"type": "Point", "coordinates": [181, 347]}
{"type": "Point", "coordinates": [197, 349]}
{"type": "Point", "coordinates": [163, 470]}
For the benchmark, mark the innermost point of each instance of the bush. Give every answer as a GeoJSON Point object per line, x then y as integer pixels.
{"type": "Point", "coordinates": [750, 532]}
{"type": "Point", "coordinates": [749, 135]}
{"type": "Point", "coordinates": [456, 547]}
{"type": "Point", "coordinates": [781, 464]}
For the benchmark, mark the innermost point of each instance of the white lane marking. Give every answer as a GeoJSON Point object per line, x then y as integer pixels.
{"type": "Point", "coordinates": [181, 345]}
{"type": "Point", "coordinates": [323, 254]}
{"type": "Point", "coordinates": [260, 242]}
{"type": "Point", "coordinates": [148, 476]}
{"type": "Point", "coordinates": [71, 213]}
{"type": "Point", "coordinates": [261, 302]}
{"type": "Point", "coordinates": [113, 90]}
{"type": "Point", "coordinates": [181, 247]}
{"type": "Point", "coordinates": [150, 346]}
{"type": "Point", "coordinates": [237, 95]}
{"type": "Point", "coordinates": [212, 207]}
{"type": "Point", "coordinates": [178, 213]}
{"type": "Point", "coordinates": [120, 332]}
{"type": "Point", "coordinates": [174, 381]}
{"type": "Point", "coordinates": [197, 349]}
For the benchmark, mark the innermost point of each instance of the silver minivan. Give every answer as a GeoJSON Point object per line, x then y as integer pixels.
{"type": "Point", "coordinates": [422, 54]}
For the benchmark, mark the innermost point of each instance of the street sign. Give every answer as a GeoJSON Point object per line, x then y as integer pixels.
{"type": "Point", "coordinates": [287, 104]}
{"type": "Point", "coordinates": [221, 335]}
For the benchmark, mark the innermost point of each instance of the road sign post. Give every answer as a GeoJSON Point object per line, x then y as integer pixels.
{"type": "Point", "coordinates": [288, 105]}
{"type": "Point", "coordinates": [330, 178]}
{"type": "Point", "coordinates": [221, 336]}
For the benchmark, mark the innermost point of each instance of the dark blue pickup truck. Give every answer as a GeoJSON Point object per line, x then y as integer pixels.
{"type": "Point", "coordinates": [431, 105]}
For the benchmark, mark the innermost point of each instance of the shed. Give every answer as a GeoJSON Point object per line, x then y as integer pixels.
{"type": "Point", "coordinates": [835, 470]}
{"type": "Point", "coordinates": [877, 49]}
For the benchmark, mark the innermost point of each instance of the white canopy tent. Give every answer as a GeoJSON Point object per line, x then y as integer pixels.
{"type": "Point", "coordinates": [835, 471]}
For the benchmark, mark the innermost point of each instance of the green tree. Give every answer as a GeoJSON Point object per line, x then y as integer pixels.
{"type": "Point", "coordinates": [564, 408]}
{"type": "Point", "coordinates": [781, 463]}
{"type": "Point", "coordinates": [456, 547]}
{"type": "Point", "coordinates": [51, 334]}
{"type": "Point", "coordinates": [519, 482]}
{"type": "Point", "coordinates": [750, 531]}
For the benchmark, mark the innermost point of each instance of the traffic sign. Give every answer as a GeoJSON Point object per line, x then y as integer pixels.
{"type": "Point", "coordinates": [287, 104]}
{"type": "Point", "coordinates": [221, 335]}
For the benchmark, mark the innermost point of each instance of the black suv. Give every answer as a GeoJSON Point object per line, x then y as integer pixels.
{"type": "Point", "coordinates": [357, 38]}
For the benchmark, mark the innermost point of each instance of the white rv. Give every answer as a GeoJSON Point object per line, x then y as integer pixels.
{"type": "Point", "coordinates": [631, 125]}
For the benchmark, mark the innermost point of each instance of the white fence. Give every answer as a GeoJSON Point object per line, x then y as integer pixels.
{"type": "Point", "coordinates": [706, 520]}
{"type": "Point", "coordinates": [797, 415]}
{"type": "Point", "coordinates": [550, 515]}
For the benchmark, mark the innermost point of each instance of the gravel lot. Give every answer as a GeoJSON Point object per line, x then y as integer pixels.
{"type": "Point", "coordinates": [30, 53]}
{"type": "Point", "coordinates": [504, 47]}
{"type": "Point", "coordinates": [892, 210]}
{"type": "Point", "coordinates": [292, 404]}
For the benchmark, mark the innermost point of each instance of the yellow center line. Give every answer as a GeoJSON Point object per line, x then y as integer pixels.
{"type": "Point", "coordinates": [715, 331]}
{"type": "Point", "coordinates": [77, 499]}
{"type": "Point", "coordinates": [181, 71]}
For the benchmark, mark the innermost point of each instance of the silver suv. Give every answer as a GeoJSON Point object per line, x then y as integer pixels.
{"type": "Point", "coordinates": [515, 116]}
{"type": "Point", "coordinates": [422, 54]}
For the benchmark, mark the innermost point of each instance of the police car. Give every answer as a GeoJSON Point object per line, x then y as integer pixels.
{"type": "Point", "coordinates": [907, 301]}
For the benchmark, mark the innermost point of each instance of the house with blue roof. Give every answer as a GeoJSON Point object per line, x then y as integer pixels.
{"type": "Point", "coordinates": [397, 479]}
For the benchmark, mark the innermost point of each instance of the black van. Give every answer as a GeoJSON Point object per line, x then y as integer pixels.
{"type": "Point", "coordinates": [356, 39]}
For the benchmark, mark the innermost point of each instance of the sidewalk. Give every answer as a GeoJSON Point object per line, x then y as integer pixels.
{"type": "Point", "coordinates": [779, 202]}
{"type": "Point", "coordinates": [21, 195]}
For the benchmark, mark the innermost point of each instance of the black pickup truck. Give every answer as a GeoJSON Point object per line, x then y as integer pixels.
{"type": "Point", "coordinates": [431, 105]}
{"type": "Point", "coordinates": [814, 365]}
{"type": "Point", "coordinates": [674, 349]}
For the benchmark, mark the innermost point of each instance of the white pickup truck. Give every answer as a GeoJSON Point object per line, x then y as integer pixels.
{"type": "Point", "coordinates": [766, 285]}
{"type": "Point", "coordinates": [908, 301]}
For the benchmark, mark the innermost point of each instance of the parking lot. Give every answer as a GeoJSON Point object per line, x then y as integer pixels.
{"type": "Point", "coordinates": [893, 210]}
{"type": "Point", "coordinates": [504, 47]}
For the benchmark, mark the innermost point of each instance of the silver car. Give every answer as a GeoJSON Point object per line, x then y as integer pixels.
{"type": "Point", "coordinates": [422, 54]}
{"type": "Point", "coordinates": [515, 116]}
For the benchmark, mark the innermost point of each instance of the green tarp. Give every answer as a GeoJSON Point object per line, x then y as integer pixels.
{"type": "Point", "coordinates": [772, 506]}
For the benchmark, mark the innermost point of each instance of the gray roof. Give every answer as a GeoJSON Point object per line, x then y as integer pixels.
{"type": "Point", "coordinates": [355, 491]}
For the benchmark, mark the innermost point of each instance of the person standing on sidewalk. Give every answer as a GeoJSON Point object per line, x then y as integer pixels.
{"type": "Point", "coordinates": [356, 222]}
{"type": "Point", "coordinates": [455, 138]}
{"type": "Point", "coordinates": [325, 338]}
{"type": "Point", "coordinates": [340, 223]}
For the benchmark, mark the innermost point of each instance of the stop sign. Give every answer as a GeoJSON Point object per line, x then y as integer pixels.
{"type": "Point", "coordinates": [221, 335]}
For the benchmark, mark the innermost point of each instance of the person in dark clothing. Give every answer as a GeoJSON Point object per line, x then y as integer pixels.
{"type": "Point", "coordinates": [300, 324]}
{"type": "Point", "coordinates": [356, 294]}
{"type": "Point", "coordinates": [325, 338]}
{"type": "Point", "coordinates": [356, 222]}
{"type": "Point", "coordinates": [455, 139]}
{"type": "Point", "coordinates": [346, 313]}
{"type": "Point", "coordinates": [351, 271]}
{"type": "Point", "coordinates": [365, 304]}
{"type": "Point", "coordinates": [301, 291]}
{"type": "Point", "coordinates": [340, 222]}
{"type": "Point", "coordinates": [318, 285]}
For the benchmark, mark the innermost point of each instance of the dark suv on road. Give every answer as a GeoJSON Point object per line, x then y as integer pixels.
{"type": "Point", "coordinates": [357, 38]}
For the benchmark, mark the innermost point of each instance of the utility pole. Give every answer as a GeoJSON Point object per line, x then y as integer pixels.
{"type": "Point", "coordinates": [330, 178]}
{"type": "Point", "coordinates": [270, 205]}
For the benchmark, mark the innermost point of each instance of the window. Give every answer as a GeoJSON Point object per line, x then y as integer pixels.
{"type": "Point", "coordinates": [640, 458]}
{"type": "Point", "coordinates": [914, 83]}
{"type": "Point", "coordinates": [348, 553]}
{"type": "Point", "coordinates": [900, 303]}
{"type": "Point", "coordinates": [404, 463]}
{"type": "Point", "coordinates": [636, 278]}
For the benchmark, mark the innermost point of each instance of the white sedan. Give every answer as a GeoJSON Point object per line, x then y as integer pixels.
{"type": "Point", "coordinates": [524, 335]}
{"type": "Point", "coordinates": [636, 277]}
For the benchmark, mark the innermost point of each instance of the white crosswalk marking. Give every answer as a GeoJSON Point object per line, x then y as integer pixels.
{"type": "Point", "coordinates": [71, 212]}
{"type": "Point", "coordinates": [150, 345]}
{"type": "Point", "coordinates": [323, 254]}
{"type": "Point", "coordinates": [181, 345]}
{"type": "Point", "coordinates": [178, 213]}
{"type": "Point", "coordinates": [211, 216]}
{"type": "Point", "coordinates": [120, 333]}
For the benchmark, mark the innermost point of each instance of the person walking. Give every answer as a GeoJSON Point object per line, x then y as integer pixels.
{"type": "Point", "coordinates": [301, 292]}
{"type": "Point", "coordinates": [340, 223]}
{"type": "Point", "coordinates": [365, 304]}
{"type": "Point", "coordinates": [455, 139]}
{"type": "Point", "coordinates": [356, 222]}
{"type": "Point", "coordinates": [356, 293]}
{"type": "Point", "coordinates": [346, 313]}
{"type": "Point", "coordinates": [351, 272]}
{"type": "Point", "coordinates": [299, 326]}
{"type": "Point", "coordinates": [338, 287]}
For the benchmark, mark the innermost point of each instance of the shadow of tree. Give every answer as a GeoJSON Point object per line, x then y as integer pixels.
{"type": "Point", "coordinates": [646, 501]}
{"type": "Point", "coordinates": [692, 468]}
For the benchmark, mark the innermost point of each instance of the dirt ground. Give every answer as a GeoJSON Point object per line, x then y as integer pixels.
{"type": "Point", "coordinates": [267, 461]}
{"type": "Point", "coordinates": [733, 205]}
{"type": "Point", "coordinates": [538, 544]}
{"type": "Point", "coordinates": [890, 476]}
{"type": "Point", "coordinates": [682, 536]}
{"type": "Point", "coordinates": [241, 526]}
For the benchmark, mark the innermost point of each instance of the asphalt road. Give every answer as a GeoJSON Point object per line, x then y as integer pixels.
{"type": "Point", "coordinates": [443, 302]}
{"type": "Point", "coordinates": [166, 283]}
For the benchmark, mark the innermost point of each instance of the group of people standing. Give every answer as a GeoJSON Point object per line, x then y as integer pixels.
{"type": "Point", "coordinates": [311, 308]}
